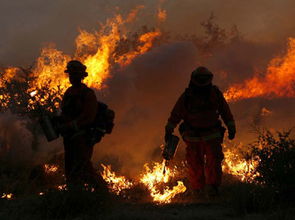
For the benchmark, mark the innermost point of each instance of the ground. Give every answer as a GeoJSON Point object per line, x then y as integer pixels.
{"type": "Point", "coordinates": [231, 204]}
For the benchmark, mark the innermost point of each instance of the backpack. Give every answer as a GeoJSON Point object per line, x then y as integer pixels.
{"type": "Point", "coordinates": [103, 123]}
{"type": "Point", "coordinates": [104, 120]}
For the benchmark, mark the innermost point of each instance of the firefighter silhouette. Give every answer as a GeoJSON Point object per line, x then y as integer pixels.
{"type": "Point", "coordinates": [199, 108]}
{"type": "Point", "coordinates": [79, 109]}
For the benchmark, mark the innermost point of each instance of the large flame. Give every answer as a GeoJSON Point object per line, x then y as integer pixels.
{"type": "Point", "coordinates": [279, 80]}
{"type": "Point", "coordinates": [96, 50]}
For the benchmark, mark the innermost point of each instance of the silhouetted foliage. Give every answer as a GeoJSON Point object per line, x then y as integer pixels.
{"type": "Point", "coordinates": [276, 159]}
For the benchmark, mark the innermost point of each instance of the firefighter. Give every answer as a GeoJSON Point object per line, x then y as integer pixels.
{"type": "Point", "coordinates": [199, 108]}
{"type": "Point", "coordinates": [79, 108]}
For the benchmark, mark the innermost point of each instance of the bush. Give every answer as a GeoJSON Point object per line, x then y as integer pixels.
{"type": "Point", "coordinates": [276, 159]}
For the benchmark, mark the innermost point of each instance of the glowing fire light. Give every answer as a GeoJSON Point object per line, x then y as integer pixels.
{"type": "Point", "coordinates": [116, 183]}
{"type": "Point", "coordinates": [162, 15]}
{"type": "Point", "coordinates": [278, 81]}
{"type": "Point", "coordinates": [50, 168]}
{"type": "Point", "coordinates": [243, 169]}
{"type": "Point", "coordinates": [7, 196]}
{"type": "Point", "coordinates": [96, 50]}
{"type": "Point", "coordinates": [265, 112]}
{"type": "Point", "coordinates": [155, 177]}
{"type": "Point", "coordinates": [146, 41]}
{"type": "Point", "coordinates": [62, 187]}
{"type": "Point", "coordinates": [151, 178]}
{"type": "Point", "coordinates": [32, 94]}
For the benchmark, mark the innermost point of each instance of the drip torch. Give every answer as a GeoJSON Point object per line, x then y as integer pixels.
{"type": "Point", "coordinates": [169, 150]}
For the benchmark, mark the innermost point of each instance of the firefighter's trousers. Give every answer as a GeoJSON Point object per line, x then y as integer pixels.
{"type": "Point", "coordinates": [78, 167]}
{"type": "Point", "coordinates": [204, 160]}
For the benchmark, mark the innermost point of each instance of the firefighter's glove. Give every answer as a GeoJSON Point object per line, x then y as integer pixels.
{"type": "Point", "coordinates": [231, 132]}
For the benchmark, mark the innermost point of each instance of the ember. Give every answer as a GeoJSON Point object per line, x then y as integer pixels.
{"type": "Point", "coordinates": [7, 196]}
{"type": "Point", "coordinates": [49, 168]}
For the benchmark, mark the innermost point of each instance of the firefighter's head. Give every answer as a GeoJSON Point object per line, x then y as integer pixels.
{"type": "Point", "coordinates": [201, 76]}
{"type": "Point", "coordinates": [77, 71]}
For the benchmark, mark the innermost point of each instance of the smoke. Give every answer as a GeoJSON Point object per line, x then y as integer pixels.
{"type": "Point", "coordinates": [238, 60]}
{"type": "Point", "coordinates": [142, 96]}
{"type": "Point", "coordinates": [144, 93]}
{"type": "Point", "coordinates": [15, 138]}
{"type": "Point", "coordinates": [26, 26]}
{"type": "Point", "coordinates": [20, 145]}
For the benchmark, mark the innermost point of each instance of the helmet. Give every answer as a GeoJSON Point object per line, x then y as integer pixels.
{"type": "Point", "coordinates": [76, 67]}
{"type": "Point", "coordinates": [201, 76]}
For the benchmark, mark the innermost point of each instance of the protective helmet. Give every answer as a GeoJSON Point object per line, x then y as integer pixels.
{"type": "Point", "coordinates": [201, 76]}
{"type": "Point", "coordinates": [76, 67]}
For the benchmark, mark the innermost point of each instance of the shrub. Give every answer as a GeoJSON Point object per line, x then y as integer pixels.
{"type": "Point", "coordinates": [276, 159]}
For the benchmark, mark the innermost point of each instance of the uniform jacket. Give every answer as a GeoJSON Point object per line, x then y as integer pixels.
{"type": "Point", "coordinates": [79, 104]}
{"type": "Point", "coordinates": [201, 111]}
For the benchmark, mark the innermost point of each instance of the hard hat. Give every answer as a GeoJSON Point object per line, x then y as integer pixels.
{"type": "Point", "coordinates": [76, 67]}
{"type": "Point", "coordinates": [201, 76]}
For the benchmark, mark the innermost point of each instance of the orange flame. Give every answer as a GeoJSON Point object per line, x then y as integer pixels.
{"type": "Point", "coordinates": [133, 13]}
{"type": "Point", "coordinates": [155, 177]}
{"type": "Point", "coordinates": [50, 168]}
{"type": "Point", "coordinates": [96, 50]}
{"type": "Point", "coordinates": [116, 183]}
{"type": "Point", "coordinates": [162, 15]}
{"type": "Point", "coordinates": [146, 41]}
{"type": "Point", "coordinates": [278, 81]}
{"type": "Point", "coordinates": [239, 167]}
{"type": "Point", "coordinates": [7, 196]}
{"type": "Point", "coordinates": [151, 178]}
{"type": "Point", "coordinates": [8, 75]}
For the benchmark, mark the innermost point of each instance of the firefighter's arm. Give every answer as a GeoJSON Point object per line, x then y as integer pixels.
{"type": "Point", "coordinates": [175, 117]}
{"type": "Point", "coordinates": [226, 116]}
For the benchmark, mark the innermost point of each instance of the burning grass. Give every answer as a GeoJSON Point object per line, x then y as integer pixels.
{"type": "Point", "coordinates": [265, 193]}
{"type": "Point", "coordinates": [155, 180]}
